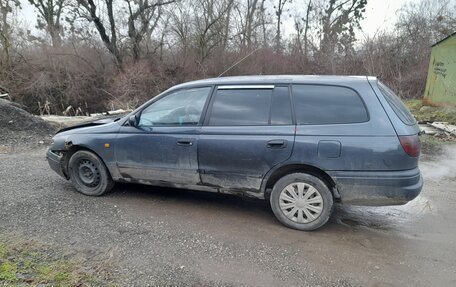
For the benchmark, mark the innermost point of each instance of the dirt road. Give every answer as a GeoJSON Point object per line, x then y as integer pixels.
{"type": "Point", "coordinates": [162, 236]}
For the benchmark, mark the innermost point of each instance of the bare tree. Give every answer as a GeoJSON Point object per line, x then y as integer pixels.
{"type": "Point", "coordinates": [6, 9]}
{"type": "Point", "coordinates": [262, 15]}
{"type": "Point", "coordinates": [199, 38]}
{"type": "Point", "coordinates": [108, 38]}
{"type": "Point", "coordinates": [306, 29]}
{"type": "Point", "coordinates": [181, 25]}
{"type": "Point", "coordinates": [248, 22]}
{"type": "Point", "coordinates": [50, 11]}
{"type": "Point", "coordinates": [419, 26]}
{"type": "Point", "coordinates": [210, 20]}
{"type": "Point", "coordinates": [142, 20]}
{"type": "Point", "coordinates": [302, 26]}
{"type": "Point", "coordinates": [338, 22]}
{"type": "Point", "coordinates": [279, 10]}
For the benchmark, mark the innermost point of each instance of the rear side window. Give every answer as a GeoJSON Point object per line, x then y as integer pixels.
{"type": "Point", "coordinates": [251, 107]}
{"type": "Point", "coordinates": [241, 107]}
{"type": "Point", "coordinates": [397, 105]}
{"type": "Point", "coordinates": [319, 105]}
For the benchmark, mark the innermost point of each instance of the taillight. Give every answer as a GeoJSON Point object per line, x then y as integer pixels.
{"type": "Point", "coordinates": [411, 145]}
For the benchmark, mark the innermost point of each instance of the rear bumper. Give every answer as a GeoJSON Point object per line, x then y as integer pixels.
{"type": "Point", "coordinates": [56, 163]}
{"type": "Point", "coordinates": [379, 187]}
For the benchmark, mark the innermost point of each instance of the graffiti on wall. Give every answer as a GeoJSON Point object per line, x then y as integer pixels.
{"type": "Point", "coordinates": [439, 68]}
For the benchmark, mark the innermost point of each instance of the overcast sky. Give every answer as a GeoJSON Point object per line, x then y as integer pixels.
{"type": "Point", "coordinates": [380, 14]}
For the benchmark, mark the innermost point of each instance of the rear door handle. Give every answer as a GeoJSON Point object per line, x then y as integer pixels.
{"type": "Point", "coordinates": [185, 142]}
{"type": "Point", "coordinates": [277, 144]}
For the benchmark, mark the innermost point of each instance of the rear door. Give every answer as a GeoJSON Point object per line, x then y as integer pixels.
{"type": "Point", "coordinates": [247, 131]}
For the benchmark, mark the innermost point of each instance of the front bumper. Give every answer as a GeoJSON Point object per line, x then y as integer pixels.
{"type": "Point", "coordinates": [379, 187]}
{"type": "Point", "coordinates": [56, 163]}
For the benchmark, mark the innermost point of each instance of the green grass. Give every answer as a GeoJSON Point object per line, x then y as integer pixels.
{"type": "Point", "coordinates": [28, 263]}
{"type": "Point", "coordinates": [8, 272]}
{"type": "Point", "coordinates": [431, 114]}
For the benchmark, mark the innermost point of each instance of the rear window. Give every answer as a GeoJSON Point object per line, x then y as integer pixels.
{"type": "Point", "coordinates": [397, 105]}
{"type": "Point", "coordinates": [319, 105]}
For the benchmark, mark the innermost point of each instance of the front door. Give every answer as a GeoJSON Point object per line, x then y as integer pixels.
{"type": "Point", "coordinates": [163, 145]}
{"type": "Point", "coordinates": [248, 130]}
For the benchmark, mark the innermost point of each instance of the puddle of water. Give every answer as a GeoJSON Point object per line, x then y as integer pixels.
{"type": "Point", "coordinates": [437, 171]}
{"type": "Point", "coordinates": [383, 217]}
{"type": "Point", "coordinates": [442, 167]}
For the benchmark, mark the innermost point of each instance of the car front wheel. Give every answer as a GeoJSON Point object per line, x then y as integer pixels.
{"type": "Point", "coordinates": [301, 201]}
{"type": "Point", "coordinates": [88, 174]}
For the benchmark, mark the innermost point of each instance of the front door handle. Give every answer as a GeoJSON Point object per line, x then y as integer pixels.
{"type": "Point", "coordinates": [185, 142]}
{"type": "Point", "coordinates": [277, 144]}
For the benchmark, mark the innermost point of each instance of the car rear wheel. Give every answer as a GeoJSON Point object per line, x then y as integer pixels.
{"type": "Point", "coordinates": [301, 201]}
{"type": "Point", "coordinates": [88, 174]}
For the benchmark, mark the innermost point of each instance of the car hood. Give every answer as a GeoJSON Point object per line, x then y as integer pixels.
{"type": "Point", "coordinates": [90, 127]}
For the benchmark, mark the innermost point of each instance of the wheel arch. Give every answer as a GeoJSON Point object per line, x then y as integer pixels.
{"type": "Point", "coordinates": [283, 170]}
{"type": "Point", "coordinates": [73, 148]}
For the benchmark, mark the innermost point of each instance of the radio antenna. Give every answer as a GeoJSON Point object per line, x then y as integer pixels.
{"type": "Point", "coordinates": [238, 62]}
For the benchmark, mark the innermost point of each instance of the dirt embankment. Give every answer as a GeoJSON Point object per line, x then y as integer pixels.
{"type": "Point", "coordinates": [20, 129]}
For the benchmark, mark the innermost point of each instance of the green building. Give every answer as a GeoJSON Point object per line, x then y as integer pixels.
{"type": "Point", "coordinates": [441, 79]}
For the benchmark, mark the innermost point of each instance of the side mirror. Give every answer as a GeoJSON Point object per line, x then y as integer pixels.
{"type": "Point", "coordinates": [132, 121]}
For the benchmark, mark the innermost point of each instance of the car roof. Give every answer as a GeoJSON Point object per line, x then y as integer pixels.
{"type": "Point", "coordinates": [277, 79]}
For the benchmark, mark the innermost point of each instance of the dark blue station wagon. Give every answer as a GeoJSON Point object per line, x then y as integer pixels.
{"type": "Point", "coordinates": [301, 142]}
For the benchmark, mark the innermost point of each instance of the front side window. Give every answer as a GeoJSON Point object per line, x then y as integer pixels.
{"type": "Point", "coordinates": [181, 108]}
{"type": "Point", "coordinates": [319, 105]}
{"type": "Point", "coordinates": [241, 107]}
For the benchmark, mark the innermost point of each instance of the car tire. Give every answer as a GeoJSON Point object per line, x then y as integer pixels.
{"type": "Point", "coordinates": [89, 174]}
{"type": "Point", "coordinates": [301, 201]}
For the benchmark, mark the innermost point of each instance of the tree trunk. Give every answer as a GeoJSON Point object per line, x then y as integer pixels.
{"type": "Point", "coordinates": [263, 24]}
{"type": "Point", "coordinates": [279, 18]}
{"type": "Point", "coordinates": [110, 43]}
{"type": "Point", "coordinates": [5, 35]}
{"type": "Point", "coordinates": [306, 29]}
{"type": "Point", "coordinates": [250, 18]}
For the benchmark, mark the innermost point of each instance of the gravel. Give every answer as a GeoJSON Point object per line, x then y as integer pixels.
{"type": "Point", "coordinates": [20, 130]}
{"type": "Point", "coordinates": [156, 236]}
{"type": "Point", "coordinates": [149, 250]}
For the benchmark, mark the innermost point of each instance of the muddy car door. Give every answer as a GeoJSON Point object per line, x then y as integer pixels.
{"type": "Point", "coordinates": [162, 145]}
{"type": "Point", "coordinates": [247, 130]}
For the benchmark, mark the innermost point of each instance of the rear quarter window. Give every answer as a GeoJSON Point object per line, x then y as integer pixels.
{"type": "Point", "coordinates": [319, 105]}
{"type": "Point", "coordinates": [397, 105]}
